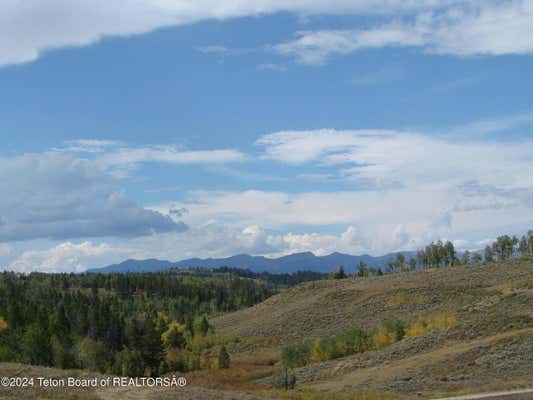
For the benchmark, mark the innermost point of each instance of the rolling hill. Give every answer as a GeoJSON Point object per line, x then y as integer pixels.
{"type": "Point", "coordinates": [488, 348]}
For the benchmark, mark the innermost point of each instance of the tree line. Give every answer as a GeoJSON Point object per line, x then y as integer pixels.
{"type": "Point", "coordinates": [274, 281]}
{"type": "Point", "coordinates": [441, 254]}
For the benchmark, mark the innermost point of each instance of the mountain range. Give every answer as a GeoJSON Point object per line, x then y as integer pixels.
{"type": "Point", "coordinates": [291, 263]}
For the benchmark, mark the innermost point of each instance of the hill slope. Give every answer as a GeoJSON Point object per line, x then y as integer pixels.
{"type": "Point", "coordinates": [489, 347]}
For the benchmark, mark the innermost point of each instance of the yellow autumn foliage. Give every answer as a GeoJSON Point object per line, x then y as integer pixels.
{"type": "Point", "coordinates": [172, 326]}
{"type": "Point", "coordinates": [383, 339]}
{"type": "Point", "coordinates": [426, 324]}
{"type": "Point", "coordinates": [318, 352]}
{"type": "Point", "coordinates": [3, 325]}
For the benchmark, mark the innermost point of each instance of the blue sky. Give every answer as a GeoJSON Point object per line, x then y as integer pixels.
{"type": "Point", "coordinates": [179, 129]}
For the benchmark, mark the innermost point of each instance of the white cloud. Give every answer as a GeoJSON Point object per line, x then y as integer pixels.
{"type": "Point", "coordinates": [314, 47]}
{"type": "Point", "coordinates": [57, 196]}
{"type": "Point", "coordinates": [114, 154]}
{"type": "Point", "coordinates": [87, 146]}
{"type": "Point", "coordinates": [385, 159]}
{"type": "Point", "coordinates": [369, 221]}
{"type": "Point", "coordinates": [68, 257]}
{"type": "Point", "coordinates": [409, 189]}
{"type": "Point", "coordinates": [29, 29]}
{"type": "Point", "coordinates": [481, 28]}
{"type": "Point", "coordinates": [171, 155]}
{"type": "Point", "coordinates": [493, 125]}
{"type": "Point", "coordinates": [279, 210]}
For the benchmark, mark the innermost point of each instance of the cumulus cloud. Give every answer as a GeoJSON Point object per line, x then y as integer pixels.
{"type": "Point", "coordinates": [487, 28]}
{"type": "Point", "coordinates": [408, 188]}
{"type": "Point", "coordinates": [218, 238]}
{"type": "Point", "coordinates": [28, 30]}
{"type": "Point", "coordinates": [57, 196]}
{"type": "Point", "coordinates": [67, 257]}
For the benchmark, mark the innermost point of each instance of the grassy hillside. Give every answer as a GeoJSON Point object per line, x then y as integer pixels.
{"type": "Point", "coordinates": [489, 346]}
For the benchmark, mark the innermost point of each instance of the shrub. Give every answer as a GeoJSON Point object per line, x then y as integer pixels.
{"type": "Point", "coordinates": [323, 349]}
{"type": "Point", "coordinates": [354, 341]}
{"type": "Point", "coordinates": [296, 355]}
{"type": "Point", "coordinates": [395, 327]}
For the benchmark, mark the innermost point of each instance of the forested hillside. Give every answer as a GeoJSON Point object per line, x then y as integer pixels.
{"type": "Point", "coordinates": [127, 324]}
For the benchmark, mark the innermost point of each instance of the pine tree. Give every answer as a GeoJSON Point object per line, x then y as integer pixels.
{"type": "Point", "coordinates": [174, 339]}
{"type": "Point", "coordinates": [362, 269]}
{"type": "Point", "coordinates": [523, 247]}
{"type": "Point", "coordinates": [340, 274]}
{"type": "Point", "coordinates": [36, 345]}
{"type": "Point", "coordinates": [152, 346]}
{"type": "Point", "coordinates": [223, 358]}
{"type": "Point", "coordinates": [204, 326]}
{"type": "Point", "coordinates": [488, 254]}
{"type": "Point", "coordinates": [476, 258]}
{"type": "Point", "coordinates": [465, 258]}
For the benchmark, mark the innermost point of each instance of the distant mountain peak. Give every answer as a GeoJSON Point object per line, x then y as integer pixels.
{"type": "Point", "coordinates": [304, 261]}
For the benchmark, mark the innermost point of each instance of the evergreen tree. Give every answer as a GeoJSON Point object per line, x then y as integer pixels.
{"type": "Point", "coordinates": [174, 339]}
{"type": "Point", "coordinates": [204, 326]}
{"type": "Point", "coordinates": [362, 269]}
{"type": "Point", "coordinates": [129, 363]}
{"type": "Point", "coordinates": [340, 274]}
{"type": "Point", "coordinates": [465, 258]}
{"type": "Point", "coordinates": [151, 346]}
{"type": "Point", "coordinates": [223, 358]}
{"type": "Point", "coordinates": [523, 247]}
{"type": "Point", "coordinates": [400, 262]}
{"type": "Point", "coordinates": [35, 345]}
{"type": "Point", "coordinates": [488, 254]}
{"type": "Point", "coordinates": [476, 258]}
{"type": "Point", "coordinates": [93, 355]}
